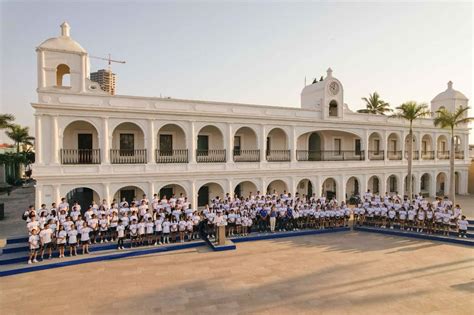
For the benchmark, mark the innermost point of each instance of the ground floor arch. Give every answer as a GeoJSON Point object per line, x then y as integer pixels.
{"type": "Point", "coordinates": [373, 184]}
{"type": "Point", "coordinates": [392, 184]}
{"type": "Point", "coordinates": [457, 177]}
{"type": "Point", "coordinates": [209, 191]}
{"type": "Point", "coordinates": [83, 196]}
{"type": "Point", "coordinates": [305, 188]}
{"type": "Point", "coordinates": [413, 186]}
{"type": "Point", "coordinates": [170, 190]}
{"type": "Point", "coordinates": [425, 184]}
{"type": "Point", "coordinates": [329, 188]}
{"type": "Point", "coordinates": [441, 184]}
{"type": "Point", "coordinates": [352, 187]}
{"type": "Point", "coordinates": [129, 194]}
{"type": "Point", "coordinates": [277, 186]}
{"type": "Point", "coordinates": [245, 189]}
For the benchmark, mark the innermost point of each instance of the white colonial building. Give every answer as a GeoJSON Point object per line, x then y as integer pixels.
{"type": "Point", "coordinates": [90, 144]}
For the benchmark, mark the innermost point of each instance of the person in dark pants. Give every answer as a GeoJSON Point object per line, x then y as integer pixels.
{"type": "Point", "coordinates": [262, 224]}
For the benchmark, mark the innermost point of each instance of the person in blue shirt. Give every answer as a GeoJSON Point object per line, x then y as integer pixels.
{"type": "Point", "coordinates": [262, 223]}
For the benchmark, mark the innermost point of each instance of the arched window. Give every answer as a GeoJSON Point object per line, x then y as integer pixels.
{"type": "Point", "coordinates": [63, 74]}
{"type": "Point", "coordinates": [333, 109]}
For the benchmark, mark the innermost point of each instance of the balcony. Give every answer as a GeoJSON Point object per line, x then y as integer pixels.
{"type": "Point", "coordinates": [376, 155]}
{"type": "Point", "coordinates": [416, 155]}
{"type": "Point", "coordinates": [128, 156]}
{"type": "Point", "coordinates": [427, 155]}
{"type": "Point", "coordinates": [278, 155]}
{"type": "Point", "coordinates": [443, 155]}
{"type": "Point", "coordinates": [211, 156]}
{"type": "Point", "coordinates": [80, 156]}
{"type": "Point", "coordinates": [172, 156]}
{"type": "Point", "coordinates": [459, 155]}
{"type": "Point", "coordinates": [394, 155]}
{"type": "Point", "coordinates": [304, 155]}
{"type": "Point", "coordinates": [246, 155]}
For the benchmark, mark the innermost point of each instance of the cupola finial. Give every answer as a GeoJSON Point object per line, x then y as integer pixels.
{"type": "Point", "coordinates": [65, 29]}
{"type": "Point", "coordinates": [450, 85]}
{"type": "Point", "coordinates": [329, 72]}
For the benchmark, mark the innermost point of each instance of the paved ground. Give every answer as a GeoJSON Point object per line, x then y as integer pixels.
{"type": "Point", "coordinates": [356, 273]}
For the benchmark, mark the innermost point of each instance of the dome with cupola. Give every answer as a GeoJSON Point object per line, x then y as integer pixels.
{"type": "Point", "coordinates": [63, 42]}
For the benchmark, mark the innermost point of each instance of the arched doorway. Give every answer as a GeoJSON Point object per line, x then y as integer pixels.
{"type": "Point", "coordinates": [129, 194]}
{"type": "Point", "coordinates": [245, 189]}
{"type": "Point", "coordinates": [352, 188]}
{"type": "Point", "coordinates": [441, 183]}
{"type": "Point", "coordinates": [277, 146]}
{"type": "Point", "coordinates": [277, 186]}
{"type": "Point", "coordinates": [172, 189]}
{"type": "Point", "coordinates": [375, 147]}
{"type": "Point", "coordinates": [394, 147]}
{"type": "Point", "coordinates": [374, 184]}
{"type": "Point", "coordinates": [305, 187]}
{"type": "Point", "coordinates": [246, 145]}
{"type": "Point", "coordinates": [209, 191]}
{"type": "Point", "coordinates": [210, 145]}
{"type": "Point", "coordinates": [329, 188]}
{"type": "Point", "coordinates": [80, 144]}
{"type": "Point", "coordinates": [171, 146]}
{"type": "Point", "coordinates": [128, 144]}
{"type": "Point", "coordinates": [392, 184]}
{"type": "Point", "coordinates": [425, 184]}
{"type": "Point", "coordinates": [84, 197]}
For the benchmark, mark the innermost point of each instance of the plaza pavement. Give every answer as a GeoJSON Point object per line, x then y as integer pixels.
{"type": "Point", "coordinates": [343, 273]}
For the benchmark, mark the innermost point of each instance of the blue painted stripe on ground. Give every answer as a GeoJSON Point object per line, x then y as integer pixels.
{"type": "Point", "coordinates": [461, 241]}
{"type": "Point", "coordinates": [287, 234]}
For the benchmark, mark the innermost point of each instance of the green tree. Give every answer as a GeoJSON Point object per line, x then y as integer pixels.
{"type": "Point", "coordinates": [411, 111]}
{"type": "Point", "coordinates": [375, 105]}
{"type": "Point", "coordinates": [20, 135]}
{"type": "Point", "coordinates": [6, 121]}
{"type": "Point", "coordinates": [450, 120]}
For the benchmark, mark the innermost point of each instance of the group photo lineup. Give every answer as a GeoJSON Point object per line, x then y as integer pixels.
{"type": "Point", "coordinates": [246, 157]}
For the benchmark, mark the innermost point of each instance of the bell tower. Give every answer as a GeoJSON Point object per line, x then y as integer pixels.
{"type": "Point", "coordinates": [63, 64]}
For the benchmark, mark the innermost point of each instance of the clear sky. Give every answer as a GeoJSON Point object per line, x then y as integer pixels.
{"type": "Point", "coordinates": [255, 52]}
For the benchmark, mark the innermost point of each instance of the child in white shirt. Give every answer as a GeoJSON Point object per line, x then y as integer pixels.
{"type": "Point", "coordinates": [72, 234]}
{"type": "Point", "coordinates": [61, 240]}
{"type": "Point", "coordinates": [149, 231]}
{"type": "Point", "coordinates": [46, 237]}
{"type": "Point", "coordinates": [85, 238]}
{"type": "Point", "coordinates": [34, 246]}
{"type": "Point", "coordinates": [120, 234]}
{"type": "Point", "coordinates": [462, 225]}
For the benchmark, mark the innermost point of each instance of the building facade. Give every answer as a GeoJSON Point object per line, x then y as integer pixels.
{"type": "Point", "coordinates": [106, 80]}
{"type": "Point", "coordinates": [93, 145]}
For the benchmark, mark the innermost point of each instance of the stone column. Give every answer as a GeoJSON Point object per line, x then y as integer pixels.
{"type": "Point", "coordinates": [365, 145]}
{"type": "Point", "coordinates": [107, 195]}
{"type": "Point", "coordinates": [104, 141]}
{"type": "Point", "coordinates": [432, 184]}
{"type": "Point", "coordinates": [383, 184]}
{"type": "Point", "coordinates": [263, 145]}
{"type": "Point", "coordinates": [340, 188]}
{"type": "Point", "coordinates": [38, 196]}
{"type": "Point", "coordinates": [55, 140]}
{"type": "Point", "coordinates": [317, 186]}
{"type": "Point", "coordinates": [191, 140]}
{"type": "Point", "coordinates": [38, 140]}
{"type": "Point", "coordinates": [230, 145]}
{"type": "Point", "coordinates": [293, 144]}
{"type": "Point", "coordinates": [194, 195]}
{"type": "Point", "coordinates": [151, 143]}
{"type": "Point", "coordinates": [56, 194]}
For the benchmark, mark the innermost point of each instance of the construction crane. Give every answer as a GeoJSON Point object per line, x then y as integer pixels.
{"type": "Point", "coordinates": [109, 60]}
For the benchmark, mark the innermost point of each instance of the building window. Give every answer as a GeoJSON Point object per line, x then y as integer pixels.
{"type": "Point", "coordinates": [166, 144]}
{"type": "Point", "coordinates": [377, 146]}
{"type": "Point", "coordinates": [337, 146]}
{"type": "Point", "coordinates": [236, 145]}
{"type": "Point", "coordinates": [333, 109]}
{"type": "Point", "coordinates": [357, 147]}
{"type": "Point", "coordinates": [127, 144]}
{"type": "Point", "coordinates": [394, 146]}
{"type": "Point", "coordinates": [63, 75]}
{"type": "Point", "coordinates": [424, 146]}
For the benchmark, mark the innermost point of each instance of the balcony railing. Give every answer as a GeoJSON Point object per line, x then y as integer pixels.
{"type": "Point", "coordinates": [246, 155]}
{"type": "Point", "coordinates": [427, 155]}
{"type": "Point", "coordinates": [394, 155]}
{"type": "Point", "coordinates": [416, 155]}
{"type": "Point", "coordinates": [171, 156]}
{"type": "Point", "coordinates": [278, 155]}
{"type": "Point", "coordinates": [376, 155]}
{"type": "Point", "coordinates": [305, 155]}
{"type": "Point", "coordinates": [80, 156]}
{"type": "Point", "coordinates": [459, 155]}
{"type": "Point", "coordinates": [210, 156]}
{"type": "Point", "coordinates": [443, 155]}
{"type": "Point", "coordinates": [128, 156]}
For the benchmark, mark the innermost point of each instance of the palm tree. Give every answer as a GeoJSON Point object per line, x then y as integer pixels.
{"type": "Point", "coordinates": [375, 105]}
{"type": "Point", "coordinates": [447, 119]}
{"type": "Point", "coordinates": [20, 135]}
{"type": "Point", "coordinates": [411, 111]}
{"type": "Point", "coordinates": [6, 120]}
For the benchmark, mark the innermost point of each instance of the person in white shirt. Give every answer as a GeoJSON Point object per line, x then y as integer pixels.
{"type": "Point", "coordinates": [46, 237]}
{"type": "Point", "coordinates": [33, 240]}
{"type": "Point", "coordinates": [72, 240]}
{"type": "Point", "coordinates": [166, 231]}
{"type": "Point", "coordinates": [150, 231]}
{"type": "Point", "coordinates": [462, 226]}
{"type": "Point", "coordinates": [61, 240]}
{"type": "Point", "coordinates": [85, 238]}
{"type": "Point", "coordinates": [103, 228]}
{"type": "Point", "coordinates": [120, 234]}
{"type": "Point", "coordinates": [141, 226]}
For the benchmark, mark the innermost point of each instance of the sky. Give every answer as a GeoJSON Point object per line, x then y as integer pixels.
{"type": "Point", "coordinates": [256, 52]}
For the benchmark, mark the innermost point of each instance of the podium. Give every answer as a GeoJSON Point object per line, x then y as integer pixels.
{"type": "Point", "coordinates": [221, 235]}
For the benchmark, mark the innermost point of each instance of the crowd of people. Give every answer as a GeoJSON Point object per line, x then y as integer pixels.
{"type": "Point", "coordinates": [164, 220]}
{"type": "Point", "coordinates": [393, 211]}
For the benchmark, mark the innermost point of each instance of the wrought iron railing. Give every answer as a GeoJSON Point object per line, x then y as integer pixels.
{"type": "Point", "coordinates": [376, 155]}
{"type": "Point", "coordinates": [246, 155]}
{"type": "Point", "coordinates": [427, 155]}
{"type": "Point", "coordinates": [277, 155]}
{"type": "Point", "coordinates": [171, 156]}
{"type": "Point", "coordinates": [308, 155]}
{"type": "Point", "coordinates": [443, 155]}
{"type": "Point", "coordinates": [394, 155]}
{"type": "Point", "coordinates": [128, 156]}
{"type": "Point", "coordinates": [80, 156]}
{"type": "Point", "coordinates": [211, 156]}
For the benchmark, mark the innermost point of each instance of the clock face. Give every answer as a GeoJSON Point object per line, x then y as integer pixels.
{"type": "Point", "coordinates": [333, 88]}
